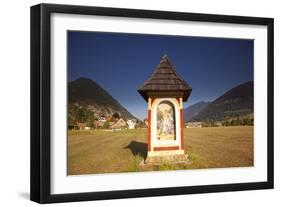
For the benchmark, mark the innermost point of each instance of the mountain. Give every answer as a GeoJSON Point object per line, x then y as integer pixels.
{"type": "Point", "coordinates": [193, 110]}
{"type": "Point", "coordinates": [86, 92]}
{"type": "Point", "coordinates": [236, 102]}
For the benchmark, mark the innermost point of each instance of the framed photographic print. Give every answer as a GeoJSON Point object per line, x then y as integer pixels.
{"type": "Point", "coordinates": [132, 103]}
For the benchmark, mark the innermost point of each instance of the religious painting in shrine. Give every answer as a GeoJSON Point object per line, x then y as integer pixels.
{"type": "Point", "coordinates": [166, 121]}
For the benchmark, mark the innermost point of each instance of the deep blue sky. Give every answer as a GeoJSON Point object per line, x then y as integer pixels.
{"type": "Point", "coordinates": [120, 63]}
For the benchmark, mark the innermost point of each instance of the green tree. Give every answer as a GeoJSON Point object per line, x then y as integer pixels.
{"type": "Point", "coordinates": [105, 125]}
{"type": "Point", "coordinates": [116, 115]}
{"type": "Point", "coordinates": [226, 123]}
{"type": "Point", "coordinates": [247, 121]}
{"type": "Point", "coordinates": [239, 121]}
{"type": "Point", "coordinates": [89, 117]}
{"type": "Point", "coordinates": [81, 115]}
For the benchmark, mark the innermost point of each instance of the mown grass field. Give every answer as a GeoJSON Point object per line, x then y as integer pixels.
{"type": "Point", "coordinates": [91, 152]}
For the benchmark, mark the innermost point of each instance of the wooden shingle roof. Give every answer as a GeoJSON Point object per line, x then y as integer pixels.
{"type": "Point", "coordinates": [165, 82]}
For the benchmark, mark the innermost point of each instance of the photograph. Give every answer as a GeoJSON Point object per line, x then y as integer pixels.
{"type": "Point", "coordinates": [148, 102]}
{"type": "Point", "coordinates": [133, 103]}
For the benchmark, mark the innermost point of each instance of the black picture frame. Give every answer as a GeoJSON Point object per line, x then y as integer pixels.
{"type": "Point", "coordinates": [41, 96]}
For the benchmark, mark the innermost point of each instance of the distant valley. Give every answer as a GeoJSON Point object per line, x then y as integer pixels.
{"type": "Point", "coordinates": [237, 102]}
{"type": "Point", "coordinates": [192, 111]}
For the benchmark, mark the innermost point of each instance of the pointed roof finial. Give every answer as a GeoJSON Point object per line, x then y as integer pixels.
{"type": "Point", "coordinates": [164, 80]}
{"type": "Point", "coordinates": [165, 55]}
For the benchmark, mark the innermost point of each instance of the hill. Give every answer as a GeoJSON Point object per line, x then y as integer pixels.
{"type": "Point", "coordinates": [86, 92]}
{"type": "Point", "coordinates": [236, 102]}
{"type": "Point", "coordinates": [193, 110]}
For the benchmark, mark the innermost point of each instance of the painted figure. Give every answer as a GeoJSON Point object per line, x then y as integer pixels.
{"type": "Point", "coordinates": [165, 122]}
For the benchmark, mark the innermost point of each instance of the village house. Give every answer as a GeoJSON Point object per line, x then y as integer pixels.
{"type": "Point", "coordinates": [145, 121]}
{"type": "Point", "coordinates": [218, 123]}
{"type": "Point", "coordinates": [119, 125]}
{"type": "Point", "coordinates": [194, 125]}
{"type": "Point", "coordinates": [72, 125]}
{"type": "Point", "coordinates": [131, 123]}
{"type": "Point", "coordinates": [102, 119]}
{"type": "Point", "coordinates": [81, 126]}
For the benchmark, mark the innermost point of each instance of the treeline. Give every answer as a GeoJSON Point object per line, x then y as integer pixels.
{"type": "Point", "coordinates": [245, 121]}
{"type": "Point", "coordinates": [239, 122]}
{"type": "Point", "coordinates": [80, 114]}
{"type": "Point", "coordinates": [210, 124]}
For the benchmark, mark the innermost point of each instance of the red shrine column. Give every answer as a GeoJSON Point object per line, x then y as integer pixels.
{"type": "Point", "coordinates": [149, 125]}
{"type": "Point", "coordinates": [181, 123]}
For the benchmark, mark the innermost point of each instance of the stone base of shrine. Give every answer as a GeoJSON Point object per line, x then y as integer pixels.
{"type": "Point", "coordinates": [164, 153]}
{"type": "Point", "coordinates": [166, 157]}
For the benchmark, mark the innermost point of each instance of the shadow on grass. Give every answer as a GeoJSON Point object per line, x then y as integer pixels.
{"type": "Point", "coordinates": [138, 149]}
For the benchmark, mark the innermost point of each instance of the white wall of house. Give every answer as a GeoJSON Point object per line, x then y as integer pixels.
{"type": "Point", "coordinates": [131, 124]}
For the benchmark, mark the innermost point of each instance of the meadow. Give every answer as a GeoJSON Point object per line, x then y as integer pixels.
{"type": "Point", "coordinates": [97, 151]}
